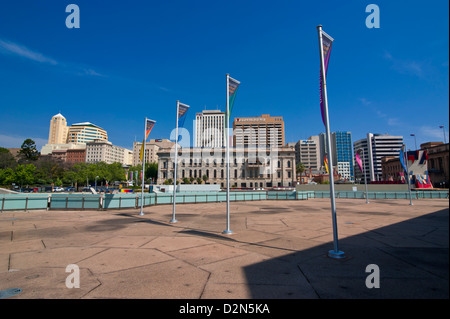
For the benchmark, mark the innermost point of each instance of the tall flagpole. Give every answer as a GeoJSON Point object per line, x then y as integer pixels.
{"type": "Point", "coordinates": [143, 169]}
{"type": "Point", "coordinates": [228, 231]}
{"type": "Point", "coordinates": [174, 220]}
{"type": "Point", "coordinates": [365, 177]}
{"type": "Point", "coordinates": [405, 154]}
{"type": "Point", "coordinates": [336, 253]}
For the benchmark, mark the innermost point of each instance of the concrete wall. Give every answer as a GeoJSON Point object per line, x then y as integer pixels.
{"type": "Point", "coordinates": [349, 187]}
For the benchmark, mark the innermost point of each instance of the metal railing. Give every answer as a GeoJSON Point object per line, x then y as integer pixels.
{"type": "Point", "coordinates": [21, 202]}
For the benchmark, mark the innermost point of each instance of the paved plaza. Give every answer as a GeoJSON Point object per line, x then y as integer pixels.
{"type": "Point", "coordinates": [278, 251]}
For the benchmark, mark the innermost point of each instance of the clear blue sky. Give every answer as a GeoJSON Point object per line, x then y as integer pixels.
{"type": "Point", "coordinates": [134, 59]}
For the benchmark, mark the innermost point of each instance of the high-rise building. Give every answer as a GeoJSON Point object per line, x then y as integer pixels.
{"type": "Point", "coordinates": [209, 129]}
{"type": "Point", "coordinates": [58, 130]}
{"type": "Point", "coordinates": [307, 153]}
{"type": "Point", "coordinates": [376, 146]}
{"type": "Point", "coordinates": [85, 132]}
{"type": "Point", "coordinates": [263, 131]}
{"type": "Point", "coordinates": [344, 154]}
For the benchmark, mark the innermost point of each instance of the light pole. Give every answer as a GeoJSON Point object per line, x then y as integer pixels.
{"type": "Point", "coordinates": [96, 183]}
{"type": "Point", "coordinates": [443, 129]}
{"type": "Point", "coordinates": [415, 141]}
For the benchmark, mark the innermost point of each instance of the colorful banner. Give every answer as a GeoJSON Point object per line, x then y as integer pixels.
{"type": "Point", "coordinates": [182, 110]}
{"type": "Point", "coordinates": [325, 161]}
{"type": "Point", "coordinates": [326, 48]}
{"type": "Point", "coordinates": [148, 127]}
{"type": "Point", "coordinates": [232, 90]}
{"type": "Point", "coordinates": [358, 161]}
{"type": "Point", "coordinates": [402, 161]}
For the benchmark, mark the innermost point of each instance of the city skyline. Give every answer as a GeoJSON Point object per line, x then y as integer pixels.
{"type": "Point", "coordinates": [126, 63]}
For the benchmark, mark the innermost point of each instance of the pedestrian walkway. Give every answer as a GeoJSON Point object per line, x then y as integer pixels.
{"type": "Point", "coordinates": [278, 251]}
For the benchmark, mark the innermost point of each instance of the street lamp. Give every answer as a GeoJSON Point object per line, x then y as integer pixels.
{"type": "Point", "coordinates": [443, 129]}
{"type": "Point", "coordinates": [415, 141]}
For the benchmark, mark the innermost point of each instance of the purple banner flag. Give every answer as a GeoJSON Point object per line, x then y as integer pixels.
{"type": "Point", "coordinates": [326, 47]}
{"type": "Point", "coordinates": [358, 160]}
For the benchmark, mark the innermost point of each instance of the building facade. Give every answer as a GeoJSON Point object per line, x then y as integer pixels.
{"type": "Point", "coordinates": [259, 131]}
{"type": "Point", "coordinates": [438, 163]}
{"type": "Point", "coordinates": [76, 155]}
{"type": "Point", "coordinates": [151, 150]}
{"type": "Point", "coordinates": [273, 168]}
{"type": "Point", "coordinates": [209, 129]}
{"type": "Point", "coordinates": [376, 146]}
{"type": "Point", "coordinates": [104, 151]}
{"type": "Point", "coordinates": [58, 130]}
{"type": "Point", "coordinates": [82, 133]}
{"type": "Point", "coordinates": [344, 154]}
{"type": "Point", "coordinates": [307, 153]}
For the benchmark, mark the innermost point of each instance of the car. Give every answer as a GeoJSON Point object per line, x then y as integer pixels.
{"type": "Point", "coordinates": [71, 189]}
{"type": "Point", "coordinates": [58, 189]}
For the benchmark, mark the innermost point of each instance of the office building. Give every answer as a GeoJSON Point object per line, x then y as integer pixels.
{"type": "Point", "coordinates": [82, 133]}
{"type": "Point", "coordinates": [151, 149]}
{"type": "Point", "coordinates": [307, 153]}
{"type": "Point", "coordinates": [76, 155]}
{"type": "Point", "coordinates": [105, 151]}
{"type": "Point", "coordinates": [343, 154]}
{"type": "Point", "coordinates": [376, 146]}
{"type": "Point", "coordinates": [58, 130]}
{"type": "Point", "coordinates": [209, 129]}
{"type": "Point", "coordinates": [263, 131]}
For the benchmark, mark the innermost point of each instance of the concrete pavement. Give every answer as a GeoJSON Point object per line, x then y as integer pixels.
{"type": "Point", "coordinates": [278, 251]}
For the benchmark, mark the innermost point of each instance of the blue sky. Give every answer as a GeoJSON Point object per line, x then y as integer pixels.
{"type": "Point", "coordinates": [135, 59]}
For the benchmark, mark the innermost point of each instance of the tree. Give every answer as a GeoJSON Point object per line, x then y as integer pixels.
{"type": "Point", "coordinates": [299, 169]}
{"type": "Point", "coordinates": [28, 151]}
{"type": "Point", "coordinates": [199, 180]}
{"type": "Point", "coordinates": [186, 180]}
{"type": "Point", "coordinates": [191, 179]}
{"type": "Point", "coordinates": [205, 178]}
{"type": "Point", "coordinates": [151, 170]}
{"type": "Point", "coordinates": [6, 159]}
{"type": "Point", "coordinates": [24, 174]}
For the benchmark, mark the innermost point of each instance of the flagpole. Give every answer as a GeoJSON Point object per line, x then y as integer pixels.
{"type": "Point", "coordinates": [407, 173]}
{"type": "Point", "coordinates": [143, 169]}
{"type": "Point", "coordinates": [336, 253]}
{"type": "Point", "coordinates": [228, 231]}
{"type": "Point", "coordinates": [364, 172]}
{"type": "Point", "coordinates": [174, 220]}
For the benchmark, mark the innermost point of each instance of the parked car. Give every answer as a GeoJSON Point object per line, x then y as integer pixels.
{"type": "Point", "coordinates": [58, 189]}
{"type": "Point", "coordinates": [71, 189]}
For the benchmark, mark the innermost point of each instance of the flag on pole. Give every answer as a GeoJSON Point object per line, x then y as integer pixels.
{"type": "Point", "coordinates": [148, 127]}
{"type": "Point", "coordinates": [325, 161]}
{"type": "Point", "coordinates": [402, 161]}
{"type": "Point", "coordinates": [182, 110]}
{"type": "Point", "coordinates": [358, 161]}
{"type": "Point", "coordinates": [326, 48]}
{"type": "Point", "coordinates": [232, 90]}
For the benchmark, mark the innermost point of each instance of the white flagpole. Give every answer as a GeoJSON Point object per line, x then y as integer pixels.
{"type": "Point", "coordinates": [174, 220]}
{"type": "Point", "coordinates": [336, 253]}
{"type": "Point", "coordinates": [143, 170]}
{"type": "Point", "coordinates": [228, 231]}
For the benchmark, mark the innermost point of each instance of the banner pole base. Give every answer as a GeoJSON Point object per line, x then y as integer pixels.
{"type": "Point", "coordinates": [336, 254]}
{"type": "Point", "coordinates": [227, 232]}
{"type": "Point", "coordinates": [173, 220]}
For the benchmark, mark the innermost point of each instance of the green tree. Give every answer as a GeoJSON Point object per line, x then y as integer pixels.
{"type": "Point", "coordinates": [6, 159]}
{"type": "Point", "coordinates": [28, 151]}
{"type": "Point", "coordinates": [205, 178]}
{"type": "Point", "coordinates": [186, 180]}
{"type": "Point", "coordinates": [151, 170]}
{"type": "Point", "coordinates": [24, 174]}
{"type": "Point", "coordinates": [299, 169]}
{"type": "Point", "coordinates": [199, 180]}
{"type": "Point", "coordinates": [6, 176]}
{"type": "Point", "coordinates": [191, 179]}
